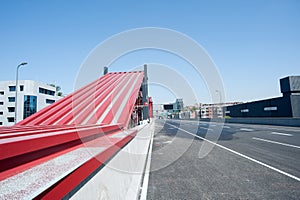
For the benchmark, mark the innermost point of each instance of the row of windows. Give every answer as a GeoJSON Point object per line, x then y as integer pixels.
{"type": "Point", "coordinates": [9, 109]}
{"type": "Point", "coordinates": [273, 108]}
{"type": "Point", "coordinates": [46, 91]}
{"type": "Point", "coordinates": [50, 101]}
{"type": "Point", "coordinates": [10, 99]}
{"type": "Point", "coordinates": [13, 99]}
{"type": "Point", "coordinates": [13, 88]}
{"type": "Point", "coordinates": [9, 119]}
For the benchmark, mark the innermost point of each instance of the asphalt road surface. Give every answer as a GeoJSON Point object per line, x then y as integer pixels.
{"type": "Point", "coordinates": [247, 161]}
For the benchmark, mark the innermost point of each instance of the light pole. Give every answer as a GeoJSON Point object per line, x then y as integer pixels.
{"type": "Point", "coordinates": [220, 104]}
{"type": "Point", "coordinates": [220, 98]}
{"type": "Point", "coordinates": [17, 81]}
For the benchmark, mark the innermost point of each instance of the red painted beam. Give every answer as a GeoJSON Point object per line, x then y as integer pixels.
{"type": "Point", "coordinates": [43, 129]}
{"type": "Point", "coordinates": [69, 183]}
{"type": "Point", "coordinates": [11, 147]}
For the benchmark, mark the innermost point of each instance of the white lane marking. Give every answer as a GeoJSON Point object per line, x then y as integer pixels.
{"type": "Point", "coordinates": [280, 129]}
{"type": "Point", "coordinates": [226, 127]}
{"type": "Point", "coordinates": [167, 142]}
{"type": "Point", "coordinates": [284, 134]}
{"type": "Point", "coordinates": [271, 141]}
{"type": "Point", "coordinates": [294, 130]}
{"type": "Point", "coordinates": [209, 129]}
{"type": "Point", "coordinates": [144, 187]}
{"type": "Point", "coordinates": [246, 129]}
{"type": "Point", "coordinates": [242, 155]}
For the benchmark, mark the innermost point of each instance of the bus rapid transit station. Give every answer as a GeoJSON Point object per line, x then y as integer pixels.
{"type": "Point", "coordinates": [56, 152]}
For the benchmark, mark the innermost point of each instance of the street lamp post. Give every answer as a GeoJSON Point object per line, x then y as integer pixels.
{"type": "Point", "coordinates": [220, 97]}
{"type": "Point", "coordinates": [17, 81]}
{"type": "Point", "coordinates": [220, 103]}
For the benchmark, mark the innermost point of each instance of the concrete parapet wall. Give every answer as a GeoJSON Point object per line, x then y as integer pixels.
{"type": "Point", "coordinates": [122, 176]}
{"type": "Point", "coordinates": [266, 121]}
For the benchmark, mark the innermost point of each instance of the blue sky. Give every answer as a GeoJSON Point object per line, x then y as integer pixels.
{"type": "Point", "coordinates": [253, 43]}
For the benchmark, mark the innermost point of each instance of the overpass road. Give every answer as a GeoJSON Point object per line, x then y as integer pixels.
{"type": "Point", "coordinates": [247, 161]}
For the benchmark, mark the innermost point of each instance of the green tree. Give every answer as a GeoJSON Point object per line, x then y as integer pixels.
{"type": "Point", "coordinates": [57, 89]}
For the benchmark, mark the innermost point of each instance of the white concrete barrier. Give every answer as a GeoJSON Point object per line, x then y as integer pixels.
{"type": "Point", "coordinates": [266, 121]}
{"type": "Point", "coordinates": [121, 178]}
{"type": "Point", "coordinates": [277, 121]}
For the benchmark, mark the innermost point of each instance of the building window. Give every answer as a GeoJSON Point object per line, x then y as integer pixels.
{"type": "Point", "coordinates": [1, 112]}
{"type": "Point", "coordinates": [30, 104]}
{"type": "Point", "coordinates": [245, 110]}
{"type": "Point", "coordinates": [1, 92]}
{"type": "Point", "coordinates": [50, 101]}
{"type": "Point", "coordinates": [11, 99]}
{"type": "Point", "coordinates": [11, 119]}
{"type": "Point", "coordinates": [12, 88]}
{"type": "Point", "coordinates": [1, 103]}
{"type": "Point", "coordinates": [274, 108]}
{"type": "Point", "coordinates": [11, 109]}
{"type": "Point", "coordinates": [1, 123]}
{"type": "Point", "coordinates": [21, 88]}
{"type": "Point", "coordinates": [46, 91]}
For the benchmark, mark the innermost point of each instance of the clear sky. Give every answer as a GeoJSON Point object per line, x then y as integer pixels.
{"type": "Point", "coordinates": [253, 43]}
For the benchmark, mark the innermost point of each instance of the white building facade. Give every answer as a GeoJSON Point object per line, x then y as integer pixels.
{"type": "Point", "coordinates": [214, 110]}
{"type": "Point", "coordinates": [32, 97]}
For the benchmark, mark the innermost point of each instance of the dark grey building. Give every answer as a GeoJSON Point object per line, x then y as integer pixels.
{"type": "Point", "coordinates": [286, 106]}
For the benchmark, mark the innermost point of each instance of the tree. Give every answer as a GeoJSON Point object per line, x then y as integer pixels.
{"type": "Point", "coordinates": [193, 109]}
{"type": "Point", "coordinates": [57, 89]}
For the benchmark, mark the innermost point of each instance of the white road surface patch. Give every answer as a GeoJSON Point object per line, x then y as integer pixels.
{"type": "Point", "coordinates": [274, 142]}
{"type": "Point", "coordinates": [284, 134]}
{"type": "Point", "coordinates": [242, 155]}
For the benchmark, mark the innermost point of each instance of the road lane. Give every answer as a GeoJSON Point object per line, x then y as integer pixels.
{"type": "Point", "coordinates": [222, 175]}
